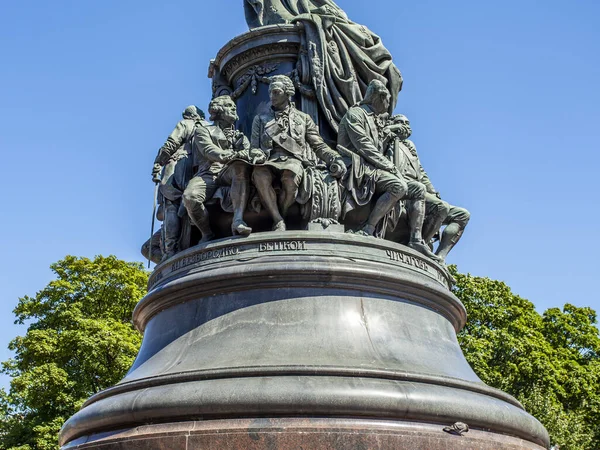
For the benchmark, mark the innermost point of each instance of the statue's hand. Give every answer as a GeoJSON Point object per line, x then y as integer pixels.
{"type": "Point", "coordinates": [156, 172]}
{"type": "Point", "coordinates": [403, 133]}
{"type": "Point", "coordinates": [228, 156]}
{"type": "Point", "coordinates": [396, 130]}
{"type": "Point", "coordinates": [239, 141]}
{"type": "Point", "coordinates": [257, 156]}
{"type": "Point", "coordinates": [393, 170]}
{"type": "Point", "coordinates": [243, 155]}
{"type": "Point", "coordinates": [337, 168]}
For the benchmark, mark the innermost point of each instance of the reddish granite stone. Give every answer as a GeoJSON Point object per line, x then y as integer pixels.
{"type": "Point", "coordinates": [300, 434]}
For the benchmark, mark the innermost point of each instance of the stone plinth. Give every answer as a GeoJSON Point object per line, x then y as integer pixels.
{"type": "Point", "coordinates": [300, 340]}
{"type": "Point", "coordinates": [305, 434]}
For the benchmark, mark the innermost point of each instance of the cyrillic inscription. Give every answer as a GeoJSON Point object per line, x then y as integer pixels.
{"type": "Point", "coordinates": [441, 278]}
{"type": "Point", "coordinates": [155, 278]}
{"type": "Point", "coordinates": [280, 246]}
{"type": "Point", "coordinates": [407, 259]}
{"type": "Point", "coordinates": [199, 257]}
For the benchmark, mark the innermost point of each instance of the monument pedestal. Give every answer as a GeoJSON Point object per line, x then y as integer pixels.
{"type": "Point", "coordinates": [300, 340]}
{"type": "Point", "coordinates": [305, 434]}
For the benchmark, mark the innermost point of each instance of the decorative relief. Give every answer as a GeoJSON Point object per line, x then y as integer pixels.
{"type": "Point", "coordinates": [258, 54]}
{"type": "Point", "coordinates": [252, 77]}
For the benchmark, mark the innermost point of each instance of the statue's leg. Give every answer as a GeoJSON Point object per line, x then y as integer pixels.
{"type": "Point", "coordinates": [416, 218]}
{"type": "Point", "coordinates": [393, 189]}
{"type": "Point", "coordinates": [171, 229]}
{"type": "Point", "coordinates": [436, 211]}
{"type": "Point", "coordinates": [456, 222]}
{"type": "Point", "coordinates": [416, 210]}
{"type": "Point", "coordinates": [290, 182]}
{"type": "Point", "coordinates": [194, 196]}
{"type": "Point", "coordinates": [238, 175]}
{"type": "Point", "coordinates": [155, 242]}
{"type": "Point", "coordinates": [262, 177]}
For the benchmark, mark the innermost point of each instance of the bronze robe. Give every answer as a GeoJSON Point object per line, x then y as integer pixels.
{"type": "Point", "coordinates": [344, 57]}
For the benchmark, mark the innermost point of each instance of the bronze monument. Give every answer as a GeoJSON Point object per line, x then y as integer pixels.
{"type": "Point", "coordinates": [301, 300]}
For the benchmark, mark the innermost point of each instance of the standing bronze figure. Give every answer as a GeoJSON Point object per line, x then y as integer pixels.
{"type": "Point", "coordinates": [173, 168]}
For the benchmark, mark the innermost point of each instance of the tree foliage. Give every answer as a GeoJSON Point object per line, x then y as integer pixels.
{"type": "Point", "coordinates": [79, 340]}
{"type": "Point", "coordinates": [550, 362]}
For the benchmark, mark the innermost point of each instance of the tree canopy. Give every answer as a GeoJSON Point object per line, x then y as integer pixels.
{"type": "Point", "coordinates": [550, 362]}
{"type": "Point", "coordinates": [79, 340]}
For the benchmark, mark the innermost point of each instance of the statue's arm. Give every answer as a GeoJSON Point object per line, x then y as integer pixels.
{"type": "Point", "coordinates": [357, 132]}
{"type": "Point", "coordinates": [208, 150]}
{"type": "Point", "coordinates": [318, 145]}
{"type": "Point", "coordinates": [424, 177]}
{"type": "Point", "coordinates": [245, 143]}
{"type": "Point", "coordinates": [255, 137]}
{"type": "Point", "coordinates": [426, 181]}
{"type": "Point", "coordinates": [175, 140]}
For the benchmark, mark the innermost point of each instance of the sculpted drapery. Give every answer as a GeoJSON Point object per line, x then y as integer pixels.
{"type": "Point", "coordinates": [343, 56]}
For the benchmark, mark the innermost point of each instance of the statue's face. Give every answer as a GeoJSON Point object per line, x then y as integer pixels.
{"type": "Point", "coordinates": [384, 102]}
{"type": "Point", "coordinates": [229, 114]}
{"type": "Point", "coordinates": [402, 120]}
{"type": "Point", "coordinates": [279, 98]}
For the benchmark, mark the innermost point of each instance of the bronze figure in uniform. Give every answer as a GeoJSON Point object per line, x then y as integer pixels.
{"type": "Point", "coordinates": [438, 213]}
{"type": "Point", "coordinates": [371, 175]}
{"type": "Point", "coordinates": [173, 168]}
{"type": "Point", "coordinates": [222, 156]}
{"type": "Point", "coordinates": [290, 140]}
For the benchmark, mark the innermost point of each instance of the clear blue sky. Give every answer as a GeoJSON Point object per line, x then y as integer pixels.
{"type": "Point", "coordinates": [503, 98]}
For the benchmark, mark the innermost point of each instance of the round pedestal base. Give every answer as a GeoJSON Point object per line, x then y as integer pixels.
{"type": "Point", "coordinates": [322, 327]}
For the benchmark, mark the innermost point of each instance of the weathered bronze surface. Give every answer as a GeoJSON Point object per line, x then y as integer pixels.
{"type": "Point", "coordinates": [315, 93]}
{"type": "Point", "coordinates": [301, 297]}
{"type": "Point", "coordinates": [304, 325]}
{"type": "Point", "coordinates": [342, 57]}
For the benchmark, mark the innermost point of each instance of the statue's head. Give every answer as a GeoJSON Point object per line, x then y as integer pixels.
{"type": "Point", "coordinates": [377, 97]}
{"type": "Point", "coordinates": [223, 109]}
{"type": "Point", "coordinates": [405, 131]}
{"type": "Point", "coordinates": [401, 119]}
{"type": "Point", "coordinates": [192, 112]}
{"type": "Point", "coordinates": [281, 90]}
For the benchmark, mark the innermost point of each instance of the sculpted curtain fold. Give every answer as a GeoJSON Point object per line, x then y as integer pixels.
{"type": "Point", "coordinates": [343, 56]}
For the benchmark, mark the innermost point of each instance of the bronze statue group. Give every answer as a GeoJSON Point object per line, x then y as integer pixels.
{"type": "Point", "coordinates": [372, 182]}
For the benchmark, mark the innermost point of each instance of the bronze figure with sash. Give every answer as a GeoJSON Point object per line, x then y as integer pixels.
{"type": "Point", "coordinates": [291, 142]}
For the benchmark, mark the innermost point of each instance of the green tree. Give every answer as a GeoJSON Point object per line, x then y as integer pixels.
{"type": "Point", "coordinates": [79, 340]}
{"type": "Point", "coordinates": [549, 362]}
